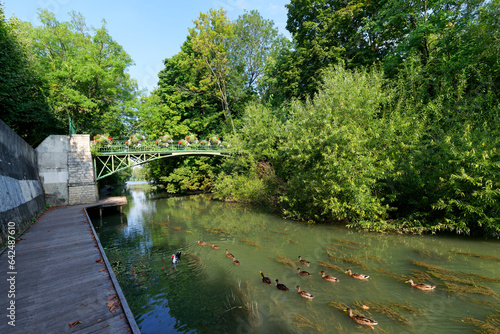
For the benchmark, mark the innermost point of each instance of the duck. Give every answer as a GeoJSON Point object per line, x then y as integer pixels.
{"type": "Point", "coordinates": [265, 279]}
{"type": "Point", "coordinates": [202, 243]}
{"type": "Point", "coordinates": [356, 275]}
{"type": "Point", "coordinates": [280, 286]}
{"type": "Point", "coordinates": [303, 273]}
{"type": "Point", "coordinates": [215, 246]}
{"type": "Point", "coordinates": [236, 262]}
{"type": "Point", "coordinates": [304, 294]}
{"type": "Point", "coordinates": [328, 277]}
{"type": "Point", "coordinates": [361, 319]}
{"type": "Point", "coordinates": [421, 286]}
{"type": "Point", "coordinates": [304, 262]}
{"type": "Point", "coordinates": [176, 258]}
{"type": "Point", "coordinates": [229, 255]}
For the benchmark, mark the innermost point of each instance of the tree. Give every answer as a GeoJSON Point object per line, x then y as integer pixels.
{"type": "Point", "coordinates": [84, 68]}
{"type": "Point", "coordinates": [23, 107]}
{"type": "Point", "coordinates": [210, 39]}
{"type": "Point", "coordinates": [180, 90]}
{"type": "Point", "coordinates": [256, 41]}
{"type": "Point", "coordinates": [329, 32]}
{"type": "Point", "coordinates": [157, 119]}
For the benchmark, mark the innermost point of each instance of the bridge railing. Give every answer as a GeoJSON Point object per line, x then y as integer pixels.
{"type": "Point", "coordinates": [120, 147]}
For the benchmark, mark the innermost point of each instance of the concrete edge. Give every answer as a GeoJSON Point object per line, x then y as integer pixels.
{"type": "Point", "coordinates": [126, 309]}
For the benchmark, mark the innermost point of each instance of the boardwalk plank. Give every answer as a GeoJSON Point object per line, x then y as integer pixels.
{"type": "Point", "coordinates": [58, 280]}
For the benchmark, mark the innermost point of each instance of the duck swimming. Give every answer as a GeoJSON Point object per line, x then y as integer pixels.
{"type": "Point", "coordinates": [176, 258]}
{"type": "Point", "coordinates": [361, 319]}
{"type": "Point", "coordinates": [215, 246]}
{"type": "Point", "coordinates": [356, 275]}
{"type": "Point", "coordinates": [421, 286]}
{"type": "Point", "coordinates": [328, 277]}
{"type": "Point", "coordinates": [304, 262]}
{"type": "Point", "coordinates": [229, 255]}
{"type": "Point", "coordinates": [265, 279]}
{"type": "Point", "coordinates": [201, 243]}
{"type": "Point", "coordinates": [236, 262]}
{"type": "Point", "coordinates": [280, 286]}
{"type": "Point", "coordinates": [303, 273]}
{"type": "Point", "coordinates": [304, 294]}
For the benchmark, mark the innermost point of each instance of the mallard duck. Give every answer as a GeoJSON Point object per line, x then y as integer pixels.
{"type": "Point", "coordinates": [356, 275]}
{"type": "Point", "coordinates": [361, 319]}
{"type": "Point", "coordinates": [280, 286]}
{"type": "Point", "coordinates": [303, 273]}
{"type": "Point", "coordinates": [229, 255]}
{"type": "Point", "coordinates": [421, 286]}
{"type": "Point", "coordinates": [201, 243]}
{"type": "Point", "coordinates": [236, 262]}
{"type": "Point", "coordinates": [265, 279]}
{"type": "Point", "coordinates": [304, 294]}
{"type": "Point", "coordinates": [215, 246]}
{"type": "Point", "coordinates": [304, 262]}
{"type": "Point", "coordinates": [328, 277]}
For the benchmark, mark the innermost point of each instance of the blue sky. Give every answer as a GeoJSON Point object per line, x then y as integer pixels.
{"type": "Point", "coordinates": [149, 30]}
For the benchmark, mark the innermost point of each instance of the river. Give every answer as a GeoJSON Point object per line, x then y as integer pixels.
{"type": "Point", "coordinates": [206, 293]}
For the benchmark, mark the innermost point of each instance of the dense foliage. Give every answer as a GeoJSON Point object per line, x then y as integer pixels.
{"type": "Point", "coordinates": [71, 71]}
{"type": "Point", "coordinates": [23, 106]}
{"type": "Point", "coordinates": [408, 143]}
{"type": "Point", "coordinates": [204, 88]}
{"type": "Point", "coordinates": [382, 115]}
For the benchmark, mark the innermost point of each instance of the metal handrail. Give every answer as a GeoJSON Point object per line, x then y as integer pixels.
{"type": "Point", "coordinates": [119, 147]}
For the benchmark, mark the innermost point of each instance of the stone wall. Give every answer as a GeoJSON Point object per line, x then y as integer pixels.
{"type": "Point", "coordinates": [67, 170]}
{"type": "Point", "coordinates": [21, 190]}
{"type": "Point", "coordinates": [81, 185]}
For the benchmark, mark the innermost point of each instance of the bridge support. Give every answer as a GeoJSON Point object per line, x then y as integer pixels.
{"type": "Point", "coordinates": [66, 169]}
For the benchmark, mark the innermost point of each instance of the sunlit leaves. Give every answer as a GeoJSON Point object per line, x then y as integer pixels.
{"type": "Point", "coordinates": [85, 70]}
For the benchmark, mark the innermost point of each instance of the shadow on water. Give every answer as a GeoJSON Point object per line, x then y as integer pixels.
{"type": "Point", "coordinates": [207, 293]}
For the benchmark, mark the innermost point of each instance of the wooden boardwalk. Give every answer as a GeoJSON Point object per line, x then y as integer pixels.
{"type": "Point", "coordinates": [61, 278]}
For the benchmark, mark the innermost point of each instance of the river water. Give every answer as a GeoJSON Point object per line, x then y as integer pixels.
{"type": "Point", "coordinates": [207, 293]}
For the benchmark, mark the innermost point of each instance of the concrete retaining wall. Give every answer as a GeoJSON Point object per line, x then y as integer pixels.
{"type": "Point", "coordinates": [53, 168]}
{"type": "Point", "coordinates": [21, 190]}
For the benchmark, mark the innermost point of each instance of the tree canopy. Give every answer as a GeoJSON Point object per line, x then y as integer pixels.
{"type": "Point", "coordinates": [81, 73]}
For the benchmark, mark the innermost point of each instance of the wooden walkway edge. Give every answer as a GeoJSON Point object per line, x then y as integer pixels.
{"type": "Point", "coordinates": [61, 280]}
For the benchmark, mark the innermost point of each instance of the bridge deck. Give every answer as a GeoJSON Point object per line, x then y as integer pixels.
{"type": "Point", "coordinates": [112, 158]}
{"type": "Point", "coordinates": [61, 278]}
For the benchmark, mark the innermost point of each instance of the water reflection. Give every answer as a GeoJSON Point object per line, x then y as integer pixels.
{"type": "Point", "coordinates": [207, 293]}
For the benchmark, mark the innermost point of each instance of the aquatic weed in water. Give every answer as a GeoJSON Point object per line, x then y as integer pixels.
{"type": "Point", "coordinates": [391, 312]}
{"type": "Point", "coordinates": [249, 242]}
{"type": "Point", "coordinates": [352, 260]}
{"type": "Point", "coordinates": [486, 257]}
{"type": "Point", "coordinates": [345, 246]}
{"type": "Point", "coordinates": [330, 266]}
{"type": "Point", "coordinates": [217, 230]}
{"type": "Point", "coordinates": [284, 260]}
{"type": "Point", "coordinates": [491, 325]}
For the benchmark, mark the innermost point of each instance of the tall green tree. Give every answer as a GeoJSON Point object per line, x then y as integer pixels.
{"type": "Point", "coordinates": [156, 119]}
{"type": "Point", "coordinates": [23, 106]}
{"type": "Point", "coordinates": [210, 39]}
{"type": "Point", "coordinates": [180, 90]}
{"type": "Point", "coordinates": [256, 41]}
{"type": "Point", "coordinates": [328, 32]}
{"type": "Point", "coordinates": [85, 71]}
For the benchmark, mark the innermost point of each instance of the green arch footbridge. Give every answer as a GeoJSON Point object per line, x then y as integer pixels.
{"type": "Point", "coordinates": [112, 158]}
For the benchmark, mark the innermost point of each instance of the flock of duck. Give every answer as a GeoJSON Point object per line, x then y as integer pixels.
{"type": "Point", "coordinates": [361, 319]}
